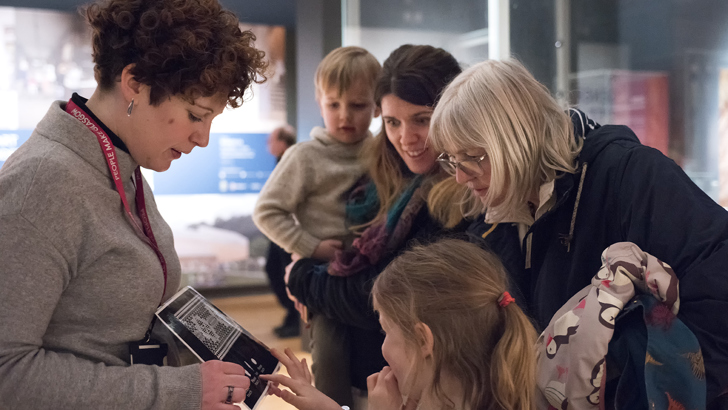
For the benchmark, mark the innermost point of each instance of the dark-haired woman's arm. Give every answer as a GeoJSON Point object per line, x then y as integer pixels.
{"type": "Point", "coordinates": [347, 299]}
{"type": "Point", "coordinates": [344, 299]}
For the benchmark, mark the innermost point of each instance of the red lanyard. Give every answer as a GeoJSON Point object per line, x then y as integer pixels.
{"type": "Point", "coordinates": [145, 231]}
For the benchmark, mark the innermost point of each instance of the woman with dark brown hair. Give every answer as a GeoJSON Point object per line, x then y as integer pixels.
{"type": "Point", "coordinates": [407, 198]}
{"type": "Point", "coordinates": [87, 257]}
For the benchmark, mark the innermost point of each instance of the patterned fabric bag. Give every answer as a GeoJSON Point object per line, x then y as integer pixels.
{"type": "Point", "coordinates": [572, 349]}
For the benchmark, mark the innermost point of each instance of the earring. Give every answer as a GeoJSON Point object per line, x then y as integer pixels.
{"type": "Point", "coordinates": [131, 107]}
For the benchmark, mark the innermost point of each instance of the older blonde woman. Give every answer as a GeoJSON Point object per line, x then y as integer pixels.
{"type": "Point", "coordinates": [555, 189]}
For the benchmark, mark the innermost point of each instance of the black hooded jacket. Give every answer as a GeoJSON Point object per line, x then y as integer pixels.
{"type": "Point", "coordinates": [624, 191]}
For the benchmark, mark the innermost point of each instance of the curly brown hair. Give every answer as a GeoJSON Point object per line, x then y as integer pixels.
{"type": "Point", "coordinates": [190, 48]}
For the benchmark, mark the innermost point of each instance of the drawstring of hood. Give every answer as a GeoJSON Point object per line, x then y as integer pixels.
{"type": "Point", "coordinates": [566, 239]}
{"type": "Point", "coordinates": [582, 125]}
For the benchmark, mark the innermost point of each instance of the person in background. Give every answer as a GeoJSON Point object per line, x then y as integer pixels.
{"type": "Point", "coordinates": [408, 197]}
{"type": "Point", "coordinates": [86, 256]}
{"type": "Point", "coordinates": [455, 338]}
{"type": "Point", "coordinates": [302, 205]}
{"type": "Point", "coordinates": [279, 141]}
{"type": "Point", "coordinates": [556, 189]}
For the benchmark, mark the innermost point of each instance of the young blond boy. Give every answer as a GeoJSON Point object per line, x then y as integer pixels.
{"type": "Point", "coordinates": [302, 206]}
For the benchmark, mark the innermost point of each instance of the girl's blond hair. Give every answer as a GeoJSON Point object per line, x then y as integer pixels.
{"type": "Point", "coordinates": [453, 287]}
{"type": "Point", "coordinates": [529, 139]}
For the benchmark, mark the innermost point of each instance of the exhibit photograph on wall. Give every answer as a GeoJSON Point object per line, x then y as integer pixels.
{"type": "Point", "coordinates": [207, 197]}
{"type": "Point", "coordinates": [723, 135]}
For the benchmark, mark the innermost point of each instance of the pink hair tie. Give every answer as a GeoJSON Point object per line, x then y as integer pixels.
{"type": "Point", "coordinates": [505, 299]}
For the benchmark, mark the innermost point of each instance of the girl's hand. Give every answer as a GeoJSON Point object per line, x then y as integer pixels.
{"type": "Point", "coordinates": [384, 392]}
{"type": "Point", "coordinates": [302, 395]}
{"type": "Point", "coordinates": [217, 379]}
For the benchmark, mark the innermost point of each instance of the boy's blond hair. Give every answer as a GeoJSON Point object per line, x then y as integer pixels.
{"type": "Point", "coordinates": [343, 66]}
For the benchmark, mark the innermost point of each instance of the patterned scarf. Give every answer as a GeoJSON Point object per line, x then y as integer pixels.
{"type": "Point", "coordinates": [380, 239]}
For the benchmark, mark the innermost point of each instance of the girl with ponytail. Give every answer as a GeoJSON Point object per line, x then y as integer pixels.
{"type": "Point", "coordinates": [455, 338]}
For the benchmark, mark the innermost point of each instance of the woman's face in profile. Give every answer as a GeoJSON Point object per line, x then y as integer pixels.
{"type": "Point", "coordinates": [407, 126]}
{"type": "Point", "coordinates": [473, 171]}
{"type": "Point", "coordinates": [161, 134]}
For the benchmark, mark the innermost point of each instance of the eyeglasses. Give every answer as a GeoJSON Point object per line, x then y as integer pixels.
{"type": "Point", "coordinates": [470, 166]}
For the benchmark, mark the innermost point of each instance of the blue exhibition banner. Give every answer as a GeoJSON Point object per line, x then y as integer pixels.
{"type": "Point", "coordinates": [11, 140]}
{"type": "Point", "coordinates": [230, 164]}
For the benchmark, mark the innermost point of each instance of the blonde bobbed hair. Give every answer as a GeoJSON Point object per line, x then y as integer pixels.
{"type": "Point", "coordinates": [529, 139]}
{"type": "Point", "coordinates": [453, 287]}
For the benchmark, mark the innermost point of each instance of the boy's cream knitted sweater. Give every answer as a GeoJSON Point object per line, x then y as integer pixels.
{"type": "Point", "coordinates": [303, 201]}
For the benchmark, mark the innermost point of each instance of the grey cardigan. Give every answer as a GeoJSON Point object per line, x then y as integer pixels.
{"type": "Point", "coordinates": [77, 283]}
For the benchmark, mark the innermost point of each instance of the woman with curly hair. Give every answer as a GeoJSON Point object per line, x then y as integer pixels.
{"type": "Point", "coordinates": [87, 257]}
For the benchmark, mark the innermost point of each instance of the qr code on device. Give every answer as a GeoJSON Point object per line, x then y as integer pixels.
{"type": "Point", "coordinates": [208, 326]}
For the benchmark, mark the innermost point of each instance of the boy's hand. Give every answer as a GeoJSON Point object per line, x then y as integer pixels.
{"type": "Point", "coordinates": [326, 249]}
{"type": "Point", "coordinates": [302, 394]}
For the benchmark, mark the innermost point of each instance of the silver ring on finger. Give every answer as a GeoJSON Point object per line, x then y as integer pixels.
{"type": "Point", "coordinates": [229, 399]}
